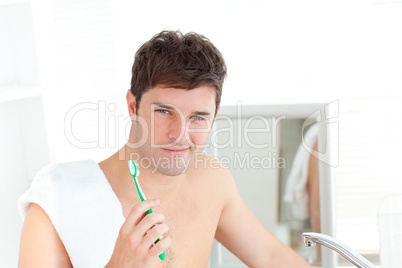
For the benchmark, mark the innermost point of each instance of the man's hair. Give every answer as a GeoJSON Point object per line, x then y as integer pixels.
{"type": "Point", "coordinates": [180, 61]}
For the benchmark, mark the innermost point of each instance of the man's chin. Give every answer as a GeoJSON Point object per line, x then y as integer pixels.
{"type": "Point", "coordinates": [173, 166]}
{"type": "Point", "coordinates": [170, 172]}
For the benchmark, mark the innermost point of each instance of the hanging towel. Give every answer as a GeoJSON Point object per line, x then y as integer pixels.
{"type": "Point", "coordinates": [296, 192]}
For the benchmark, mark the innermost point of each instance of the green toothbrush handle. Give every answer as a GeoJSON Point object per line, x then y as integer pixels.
{"type": "Point", "coordinates": [162, 256]}
{"type": "Point", "coordinates": [132, 168]}
{"type": "Point", "coordinates": [148, 211]}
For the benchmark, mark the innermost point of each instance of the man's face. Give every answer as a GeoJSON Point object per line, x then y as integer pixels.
{"type": "Point", "coordinates": [174, 124]}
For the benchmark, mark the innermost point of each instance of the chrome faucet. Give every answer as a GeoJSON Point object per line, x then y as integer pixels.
{"type": "Point", "coordinates": [311, 239]}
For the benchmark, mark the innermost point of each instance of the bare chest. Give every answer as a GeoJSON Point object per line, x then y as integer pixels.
{"type": "Point", "coordinates": [192, 222]}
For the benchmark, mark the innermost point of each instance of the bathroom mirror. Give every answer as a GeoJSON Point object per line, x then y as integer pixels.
{"type": "Point", "coordinates": [280, 157]}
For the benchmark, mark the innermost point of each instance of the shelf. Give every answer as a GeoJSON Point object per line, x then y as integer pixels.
{"type": "Point", "coordinates": [17, 92]}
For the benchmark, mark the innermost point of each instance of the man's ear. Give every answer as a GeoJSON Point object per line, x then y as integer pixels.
{"type": "Point", "coordinates": [130, 102]}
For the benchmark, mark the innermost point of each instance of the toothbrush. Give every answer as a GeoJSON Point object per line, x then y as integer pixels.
{"type": "Point", "coordinates": [132, 167]}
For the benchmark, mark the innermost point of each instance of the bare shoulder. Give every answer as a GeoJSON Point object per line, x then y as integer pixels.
{"type": "Point", "coordinates": [40, 244]}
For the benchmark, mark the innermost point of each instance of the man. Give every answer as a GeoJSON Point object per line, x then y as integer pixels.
{"type": "Point", "coordinates": [174, 97]}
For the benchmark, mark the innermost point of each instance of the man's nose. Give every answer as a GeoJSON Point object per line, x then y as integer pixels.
{"type": "Point", "coordinates": [178, 131]}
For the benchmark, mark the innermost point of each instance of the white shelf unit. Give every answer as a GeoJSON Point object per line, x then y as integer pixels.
{"type": "Point", "coordinates": [24, 145]}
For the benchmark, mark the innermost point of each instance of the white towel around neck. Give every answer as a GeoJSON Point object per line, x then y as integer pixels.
{"type": "Point", "coordinates": [83, 208]}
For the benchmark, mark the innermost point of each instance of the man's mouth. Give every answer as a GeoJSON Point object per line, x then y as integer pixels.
{"type": "Point", "coordinates": [176, 150]}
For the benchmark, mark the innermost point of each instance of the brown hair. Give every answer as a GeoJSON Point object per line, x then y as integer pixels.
{"type": "Point", "coordinates": [180, 61]}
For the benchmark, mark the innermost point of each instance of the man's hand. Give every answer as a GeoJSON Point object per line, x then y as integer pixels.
{"type": "Point", "coordinates": [135, 244]}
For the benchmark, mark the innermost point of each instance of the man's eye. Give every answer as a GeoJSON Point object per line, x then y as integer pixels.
{"type": "Point", "coordinates": [162, 111]}
{"type": "Point", "coordinates": [198, 118]}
